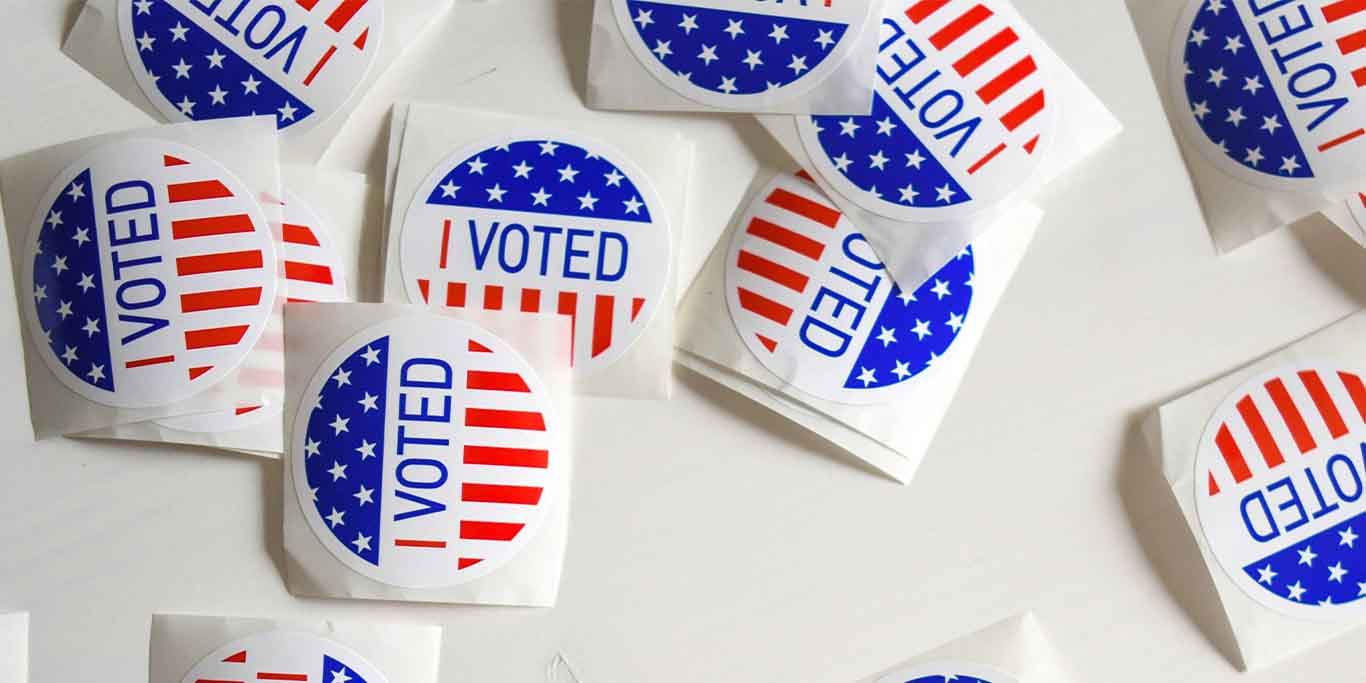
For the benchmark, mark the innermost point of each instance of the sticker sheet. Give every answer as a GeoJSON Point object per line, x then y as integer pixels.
{"type": "Point", "coordinates": [1015, 650]}
{"type": "Point", "coordinates": [581, 219]}
{"type": "Point", "coordinates": [200, 649]}
{"type": "Point", "coordinates": [972, 114]}
{"type": "Point", "coordinates": [427, 455]}
{"type": "Point", "coordinates": [14, 648]}
{"type": "Point", "coordinates": [145, 268]}
{"type": "Point", "coordinates": [796, 311]}
{"type": "Point", "coordinates": [1267, 465]}
{"type": "Point", "coordinates": [305, 63]}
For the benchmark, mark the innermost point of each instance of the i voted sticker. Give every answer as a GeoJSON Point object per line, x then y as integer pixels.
{"type": "Point", "coordinates": [1272, 89]}
{"type": "Point", "coordinates": [818, 308]}
{"type": "Point", "coordinates": [1279, 490]}
{"type": "Point", "coordinates": [542, 224]}
{"type": "Point", "coordinates": [961, 115]}
{"type": "Point", "coordinates": [299, 60]}
{"type": "Point", "coordinates": [742, 53]}
{"type": "Point", "coordinates": [948, 672]}
{"type": "Point", "coordinates": [284, 656]}
{"type": "Point", "coordinates": [424, 453]}
{"type": "Point", "coordinates": [150, 274]}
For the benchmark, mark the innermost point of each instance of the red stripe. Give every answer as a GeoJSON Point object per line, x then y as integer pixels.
{"type": "Point", "coordinates": [220, 298]}
{"type": "Point", "coordinates": [569, 305]}
{"type": "Point", "coordinates": [603, 308]}
{"type": "Point", "coordinates": [445, 242]}
{"type": "Point", "coordinates": [343, 14]}
{"type": "Point", "coordinates": [308, 272]}
{"type": "Point", "coordinates": [1213, 487]}
{"type": "Point", "coordinates": [196, 372]}
{"type": "Point", "coordinates": [300, 234]}
{"type": "Point", "coordinates": [246, 409]}
{"type": "Point", "coordinates": [1029, 146]}
{"type": "Point", "coordinates": [802, 206]}
{"type": "Point", "coordinates": [1344, 139]}
{"type": "Point", "coordinates": [783, 237]}
{"type": "Point", "coordinates": [239, 658]}
{"type": "Point", "coordinates": [636, 304]}
{"type": "Point", "coordinates": [1356, 390]}
{"type": "Point", "coordinates": [504, 419]}
{"type": "Point", "coordinates": [1024, 111]}
{"type": "Point", "coordinates": [331, 50]}
{"type": "Point", "coordinates": [195, 191]}
{"type": "Point", "coordinates": [1252, 417]}
{"type": "Point", "coordinates": [307, 4]}
{"type": "Point", "coordinates": [1290, 414]}
{"type": "Point", "coordinates": [1008, 79]}
{"type": "Point", "coordinates": [1352, 42]}
{"type": "Point", "coordinates": [215, 336]}
{"type": "Point", "coordinates": [771, 270]}
{"type": "Point", "coordinates": [983, 53]}
{"type": "Point", "coordinates": [500, 493]}
{"type": "Point", "coordinates": [455, 294]}
{"type": "Point", "coordinates": [493, 298]}
{"type": "Point", "coordinates": [488, 380]}
{"type": "Point", "coordinates": [924, 8]}
{"type": "Point", "coordinates": [464, 562]}
{"type": "Point", "coordinates": [144, 362]}
{"type": "Point", "coordinates": [168, 161]}
{"type": "Point", "coordinates": [768, 343]}
{"type": "Point", "coordinates": [423, 286]}
{"type": "Point", "coordinates": [267, 676]}
{"type": "Point", "coordinates": [764, 306]}
{"type": "Point", "coordinates": [415, 543]}
{"type": "Point", "coordinates": [489, 531]}
{"type": "Point", "coordinates": [217, 263]}
{"type": "Point", "coordinates": [1323, 402]}
{"type": "Point", "coordinates": [1341, 9]}
{"type": "Point", "coordinates": [987, 159]}
{"type": "Point", "coordinates": [531, 301]}
{"type": "Point", "coordinates": [506, 457]}
{"type": "Point", "coordinates": [1359, 75]}
{"type": "Point", "coordinates": [1232, 456]}
{"type": "Point", "coordinates": [956, 28]}
{"type": "Point", "coordinates": [208, 227]}
{"type": "Point", "coordinates": [360, 40]}
{"type": "Point", "coordinates": [476, 347]}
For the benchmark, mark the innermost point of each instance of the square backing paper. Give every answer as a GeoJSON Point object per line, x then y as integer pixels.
{"type": "Point", "coordinates": [1016, 646]}
{"type": "Point", "coordinates": [14, 648]}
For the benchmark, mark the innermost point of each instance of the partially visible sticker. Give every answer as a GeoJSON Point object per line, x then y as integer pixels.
{"type": "Point", "coordinates": [948, 672]}
{"type": "Point", "coordinates": [963, 110]}
{"type": "Point", "coordinates": [739, 54]}
{"type": "Point", "coordinates": [1278, 477]}
{"type": "Point", "coordinates": [210, 59]}
{"type": "Point", "coordinates": [1271, 92]}
{"type": "Point", "coordinates": [1357, 205]}
{"type": "Point", "coordinates": [542, 224]}
{"type": "Point", "coordinates": [424, 453]}
{"type": "Point", "coordinates": [816, 306]}
{"type": "Point", "coordinates": [149, 274]}
{"type": "Point", "coordinates": [284, 656]}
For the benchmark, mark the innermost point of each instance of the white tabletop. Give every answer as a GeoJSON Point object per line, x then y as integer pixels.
{"type": "Point", "coordinates": [712, 541]}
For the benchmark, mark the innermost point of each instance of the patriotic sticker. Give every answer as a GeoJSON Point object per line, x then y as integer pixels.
{"type": "Point", "coordinates": [424, 453]}
{"type": "Point", "coordinates": [949, 672]}
{"type": "Point", "coordinates": [149, 274]}
{"type": "Point", "coordinates": [741, 53]}
{"type": "Point", "coordinates": [299, 60]}
{"type": "Point", "coordinates": [284, 656]}
{"type": "Point", "coordinates": [815, 304]}
{"type": "Point", "coordinates": [1279, 490]}
{"type": "Point", "coordinates": [961, 115]}
{"type": "Point", "coordinates": [542, 224]}
{"type": "Point", "coordinates": [1273, 89]}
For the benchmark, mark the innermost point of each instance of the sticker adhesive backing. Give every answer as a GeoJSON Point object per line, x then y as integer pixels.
{"type": "Point", "coordinates": [284, 656]}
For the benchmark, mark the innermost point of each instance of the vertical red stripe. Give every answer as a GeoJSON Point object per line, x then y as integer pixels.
{"type": "Point", "coordinates": [1252, 417]}
{"type": "Point", "coordinates": [455, 294]}
{"type": "Point", "coordinates": [1323, 402]}
{"type": "Point", "coordinates": [1008, 79]}
{"type": "Point", "coordinates": [956, 28]}
{"type": "Point", "coordinates": [343, 14]}
{"type": "Point", "coordinates": [1341, 9]}
{"type": "Point", "coordinates": [603, 308]}
{"type": "Point", "coordinates": [331, 50]}
{"type": "Point", "coordinates": [493, 298]}
{"type": "Point", "coordinates": [802, 206]}
{"type": "Point", "coordinates": [1024, 111]}
{"type": "Point", "coordinates": [196, 191]}
{"type": "Point", "coordinates": [502, 456]}
{"type": "Point", "coordinates": [1356, 390]}
{"type": "Point", "coordinates": [763, 306]}
{"type": "Point", "coordinates": [504, 419]}
{"type": "Point", "coordinates": [423, 286]}
{"type": "Point", "coordinates": [569, 305]}
{"type": "Point", "coordinates": [788, 239]}
{"type": "Point", "coordinates": [983, 53]}
{"type": "Point", "coordinates": [773, 271]}
{"type": "Point", "coordinates": [215, 336]}
{"type": "Point", "coordinates": [531, 300]}
{"type": "Point", "coordinates": [219, 299]}
{"type": "Point", "coordinates": [1359, 75]}
{"type": "Point", "coordinates": [488, 380]}
{"type": "Point", "coordinates": [360, 40]}
{"type": "Point", "coordinates": [923, 9]}
{"type": "Point", "coordinates": [208, 227]}
{"type": "Point", "coordinates": [308, 272]}
{"type": "Point", "coordinates": [636, 304]}
{"type": "Point", "coordinates": [1290, 414]}
{"type": "Point", "coordinates": [300, 234]}
{"type": "Point", "coordinates": [489, 531]}
{"type": "Point", "coordinates": [445, 242]}
{"type": "Point", "coordinates": [500, 493]}
{"type": "Point", "coordinates": [1232, 456]}
{"type": "Point", "coordinates": [1213, 487]}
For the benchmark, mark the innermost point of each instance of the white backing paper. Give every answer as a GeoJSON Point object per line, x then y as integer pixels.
{"type": "Point", "coordinates": [14, 648]}
{"type": "Point", "coordinates": [1016, 647]}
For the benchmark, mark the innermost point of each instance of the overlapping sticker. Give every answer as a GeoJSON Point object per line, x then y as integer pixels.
{"type": "Point", "coordinates": [813, 302]}
{"type": "Point", "coordinates": [150, 274]}
{"type": "Point", "coordinates": [741, 53]}
{"type": "Point", "coordinates": [962, 114]}
{"type": "Point", "coordinates": [1272, 91]}
{"type": "Point", "coordinates": [949, 672]}
{"type": "Point", "coordinates": [542, 224]}
{"type": "Point", "coordinates": [424, 453]}
{"type": "Point", "coordinates": [284, 656]}
{"type": "Point", "coordinates": [1279, 477]}
{"type": "Point", "coordinates": [299, 60]}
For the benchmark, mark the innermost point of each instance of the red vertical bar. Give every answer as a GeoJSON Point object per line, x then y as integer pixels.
{"type": "Point", "coordinates": [340, 16]}
{"type": "Point", "coordinates": [956, 28]}
{"type": "Point", "coordinates": [1260, 434]}
{"type": "Point", "coordinates": [493, 298]}
{"type": "Point", "coordinates": [602, 323]}
{"type": "Point", "coordinates": [983, 53]}
{"type": "Point", "coordinates": [1324, 402]}
{"type": "Point", "coordinates": [1356, 390]}
{"type": "Point", "coordinates": [923, 9]}
{"type": "Point", "coordinates": [1232, 456]}
{"type": "Point", "coordinates": [455, 294]}
{"type": "Point", "coordinates": [1294, 421]}
{"type": "Point", "coordinates": [445, 242]}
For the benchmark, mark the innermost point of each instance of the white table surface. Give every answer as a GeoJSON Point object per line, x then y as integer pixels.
{"type": "Point", "coordinates": [712, 541]}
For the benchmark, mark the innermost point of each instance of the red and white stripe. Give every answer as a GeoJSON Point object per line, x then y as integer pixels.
{"type": "Point", "coordinates": [241, 658]}
{"type": "Point", "coordinates": [339, 14]}
{"type": "Point", "coordinates": [1347, 20]}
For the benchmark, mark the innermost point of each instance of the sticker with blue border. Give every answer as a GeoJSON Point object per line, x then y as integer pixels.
{"type": "Point", "coordinates": [818, 308]}
{"type": "Point", "coordinates": [948, 672]}
{"type": "Point", "coordinates": [1279, 490]}
{"type": "Point", "coordinates": [963, 110]}
{"type": "Point", "coordinates": [284, 656]}
{"type": "Point", "coordinates": [1271, 92]}
{"type": "Point", "coordinates": [426, 453]}
{"type": "Point", "coordinates": [149, 274]}
{"type": "Point", "coordinates": [542, 223]}
{"type": "Point", "coordinates": [299, 60]}
{"type": "Point", "coordinates": [739, 54]}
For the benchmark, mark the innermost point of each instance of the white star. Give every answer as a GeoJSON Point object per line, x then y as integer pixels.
{"type": "Point", "coordinates": [342, 378]}
{"type": "Point", "coordinates": [848, 127]}
{"type": "Point", "coordinates": [87, 282]}
{"type": "Point", "coordinates": [366, 450]}
{"type": "Point", "coordinates": [54, 218]}
{"type": "Point", "coordinates": [335, 519]}
{"type": "Point", "coordinates": [1254, 156]}
{"type": "Point", "coordinates": [886, 335]}
{"type": "Point", "coordinates": [540, 197]}
{"type": "Point", "coordinates": [940, 288]}
{"type": "Point", "coordinates": [59, 265]}
{"type": "Point", "coordinates": [1201, 110]}
{"type": "Point", "coordinates": [1347, 537]}
{"type": "Point", "coordinates": [842, 162]}
{"type": "Point", "coordinates": [885, 126]}
{"type": "Point", "coordinates": [753, 59]}
{"type": "Point", "coordinates": [364, 495]}
{"type": "Point", "coordinates": [945, 193]}
{"type": "Point", "coordinates": [69, 355]}
{"type": "Point", "coordinates": [1235, 116]}
{"type": "Point", "coordinates": [955, 321]}
{"type": "Point", "coordinates": [1289, 165]}
{"type": "Point", "coordinates": [734, 28]}
{"type": "Point", "coordinates": [727, 85]}
{"type": "Point", "coordinates": [144, 6]}
{"type": "Point", "coordinates": [1266, 575]}
{"type": "Point", "coordinates": [477, 166]}
{"type": "Point", "coordinates": [548, 148]}
{"type": "Point", "coordinates": [1233, 44]}
{"type": "Point", "coordinates": [145, 42]}
{"type": "Point", "coordinates": [708, 54]}
{"type": "Point", "coordinates": [77, 191]}
{"type": "Point", "coordinates": [449, 189]}
{"type": "Point", "coordinates": [496, 192]}
{"type": "Point", "coordinates": [614, 178]}
{"type": "Point", "coordinates": [1361, 588]}
{"type": "Point", "coordinates": [1216, 6]}
{"type": "Point", "coordinates": [287, 112]}
{"type": "Point", "coordinates": [866, 376]}
{"type": "Point", "coordinates": [779, 33]}
{"type": "Point", "coordinates": [186, 106]}
{"type": "Point", "coordinates": [178, 32]}
{"type": "Point", "coordinates": [915, 159]}
{"type": "Point", "coordinates": [338, 471]}
{"type": "Point", "coordinates": [64, 310]}
{"type": "Point", "coordinates": [908, 194]}
{"type": "Point", "coordinates": [902, 370]}
{"type": "Point", "coordinates": [368, 403]}
{"type": "Point", "coordinates": [371, 356]}
{"type": "Point", "coordinates": [1296, 591]}
{"type": "Point", "coordinates": [96, 372]}
{"type": "Point", "coordinates": [588, 201]}
{"type": "Point", "coordinates": [1217, 77]}
{"type": "Point", "coordinates": [522, 170]}
{"type": "Point", "coordinates": [567, 173]}
{"type": "Point", "coordinates": [215, 59]}
{"type": "Point", "coordinates": [310, 448]}
{"type": "Point", "coordinates": [340, 676]}
{"type": "Point", "coordinates": [633, 205]}
{"type": "Point", "coordinates": [878, 161]}
{"type": "Point", "coordinates": [825, 38]}
{"type": "Point", "coordinates": [1198, 36]}
{"type": "Point", "coordinates": [798, 65]}
{"type": "Point", "coordinates": [249, 86]}
{"type": "Point", "coordinates": [1253, 84]}
{"type": "Point", "coordinates": [688, 24]}
{"type": "Point", "coordinates": [313, 494]}
{"type": "Point", "coordinates": [362, 542]}
{"type": "Point", "coordinates": [182, 70]}
{"type": "Point", "coordinates": [40, 292]}
{"type": "Point", "coordinates": [662, 48]}
{"type": "Point", "coordinates": [1271, 123]}
{"type": "Point", "coordinates": [1307, 556]}
{"type": "Point", "coordinates": [339, 425]}
{"type": "Point", "coordinates": [645, 18]}
{"type": "Point", "coordinates": [1336, 572]}
{"type": "Point", "coordinates": [219, 95]}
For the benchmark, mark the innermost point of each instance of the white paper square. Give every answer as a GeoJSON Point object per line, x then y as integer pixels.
{"type": "Point", "coordinates": [14, 648]}
{"type": "Point", "coordinates": [1017, 647]}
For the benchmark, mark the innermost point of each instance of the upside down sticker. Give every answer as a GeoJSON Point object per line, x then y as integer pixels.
{"type": "Point", "coordinates": [284, 656]}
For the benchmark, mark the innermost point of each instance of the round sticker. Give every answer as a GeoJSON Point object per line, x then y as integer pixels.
{"type": "Point", "coordinates": [284, 656]}
{"type": "Point", "coordinates": [816, 306]}
{"type": "Point", "coordinates": [151, 277]}
{"type": "Point", "coordinates": [424, 453]}
{"type": "Point", "coordinates": [1272, 89]}
{"type": "Point", "coordinates": [961, 114]}
{"type": "Point", "coordinates": [553, 224]}
{"type": "Point", "coordinates": [1279, 490]}
{"type": "Point", "coordinates": [213, 59]}
{"type": "Point", "coordinates": [739, 53]}
{"type": "Point", "coordinates": [949, 672]}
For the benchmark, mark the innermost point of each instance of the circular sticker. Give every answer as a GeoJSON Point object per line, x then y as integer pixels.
{"type": "Point", "coordinates": [213, 59]}
{"type": "Point", "coordinates": [816, 306]}
{"type": "Point", "coordinates": [150, 274]}
{"type": "Point", "coordinates": [313, 273]}
{"type": "Point", "coordinates": [424, 453]}
{"type": "Point", "coordinates": [284, 656]}
{"type": "Point", "coordinates": [738, 53]}
{"type": "Point", "coordinates": [961, 114]}
{"type": "Point", "coordinates": [1279, 490]}
{"type": "Point", "coordinates": [949, 672]}
{"type": "Point", "coordinates": [1272, 89]}
{"type": "Point", "coordinates": [552, 224]}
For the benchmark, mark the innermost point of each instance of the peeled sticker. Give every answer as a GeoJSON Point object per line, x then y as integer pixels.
{"type": "Point", "coordinates": [961, 115]}
{"type": "Point", "coordinates": [1279, 490]}
{"type": "Point", "coordinates": [949, 672]}
{"type": "Point", "coordinates": [150, 274]}
{"type": "Point", "coordinates": [1273, 89]}
{"type": "Point", "coordinates": [739, 53]}
{"type": "Point", "coordinates": [424, 453]}
{"type": "Point", "coordinates": [284, 656]}
{"type": "Point", "coordinates": [549, 224]}
{"type": "Point", "coordinates": [212, 59]}
{"type": "Point", "coordinates": [813, 302]}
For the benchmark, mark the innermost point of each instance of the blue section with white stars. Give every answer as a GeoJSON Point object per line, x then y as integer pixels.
{"type": "Point", "coordinates": [948, 678]}
{"type": "Point", "coordinates": [1232, 97]}
{"type": "Point", "coordinates": [337, 672]}
{"type": "Point", "coordinates": [881, 155]}
{"type": "Point", "coordinates": [733, 53]}
{"type": "Point", "coordinates": [542, 176]}
{"type": "Point", "coordinates": [344, 449]}
{"type": "Point", "coordinates": [913, 330]}
{"type": "Point", "coordinates": [68, 292]}
{"type": "Point", "coordinates": [1327, 568]}
{"type": "Point", "coordinates": [201, 76]}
